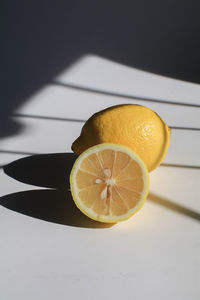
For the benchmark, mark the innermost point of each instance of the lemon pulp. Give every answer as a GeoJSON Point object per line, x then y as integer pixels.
{"type": "Point", "coordinates": [109, 182]}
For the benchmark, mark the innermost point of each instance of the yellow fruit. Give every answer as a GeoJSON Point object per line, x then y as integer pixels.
{"type": "Point", "coordinates": [109, 182]}
{"type": "Point", "coordinates": [134, 126]}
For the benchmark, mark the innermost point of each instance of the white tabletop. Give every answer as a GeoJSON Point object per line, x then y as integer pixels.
{"type": "Point", "coordinates": [48, 250]}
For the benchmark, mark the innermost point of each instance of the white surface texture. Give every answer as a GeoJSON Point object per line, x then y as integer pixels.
{"type": "Point", "coordinates": [49, 252]}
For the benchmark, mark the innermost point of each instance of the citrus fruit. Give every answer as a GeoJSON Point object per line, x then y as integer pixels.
{"type": "Point", "coordinates": [109, 182]}
{"type": "Point", "coordinates": [134, 126]}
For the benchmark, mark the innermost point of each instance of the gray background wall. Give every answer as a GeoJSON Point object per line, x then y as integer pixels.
{"type": "Point", "coordinates": [41, 38]}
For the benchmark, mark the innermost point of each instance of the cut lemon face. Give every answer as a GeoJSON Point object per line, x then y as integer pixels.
{"type": "Point", "coordinates": [109, 182]}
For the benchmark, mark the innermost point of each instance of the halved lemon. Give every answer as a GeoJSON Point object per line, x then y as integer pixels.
{"type": "Point", "coordinates": [109, 182]}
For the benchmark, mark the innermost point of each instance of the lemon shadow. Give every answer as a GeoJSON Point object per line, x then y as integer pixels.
{"type": "Point", "coordinates": [53, 205]}
{"type": "Point", "coordinates": [57, 206]}
{"type": "Point", "coordinates": [50, 205]}
{"type": "Point", "coordinates": [44, 170]}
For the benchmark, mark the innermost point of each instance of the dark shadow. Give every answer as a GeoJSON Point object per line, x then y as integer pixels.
{"type": "Point", "coordinates": [118, 95]}
{"type": "Point", "coordinates": [41, 39]}
{"type": "Point", "coordinates": [174, 206]}
{"type": "Point", "coordinates": [50, 205]}
{"type": "Point", "coordinates": [51, 170]}
{"type": "Point", "coordinates": [45, 170]}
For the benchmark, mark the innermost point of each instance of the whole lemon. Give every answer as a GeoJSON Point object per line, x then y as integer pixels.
{"type": "Point", "coordinates": [134, 126]}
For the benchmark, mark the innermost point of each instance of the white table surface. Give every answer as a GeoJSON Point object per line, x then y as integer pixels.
{"type": "Point", "coordinates": [50, 251]}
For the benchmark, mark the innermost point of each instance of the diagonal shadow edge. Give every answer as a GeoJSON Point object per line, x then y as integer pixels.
{"type": "Point", "coordinates": [119, 95]}
{"type": "Point", "coordinates": [180, 166]}
{"type": "Point", "coordinates": [180, 209]}
{"type": "Point", "coordinates": [17, 152]}
{"type": "Point", "coordinates": [28, 116]}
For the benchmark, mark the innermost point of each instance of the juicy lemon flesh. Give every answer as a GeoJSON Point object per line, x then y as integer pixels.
{"type": "Point", "coordinates": [109, 183]}
{"type": "Point", "coordinates": [134, 126]}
